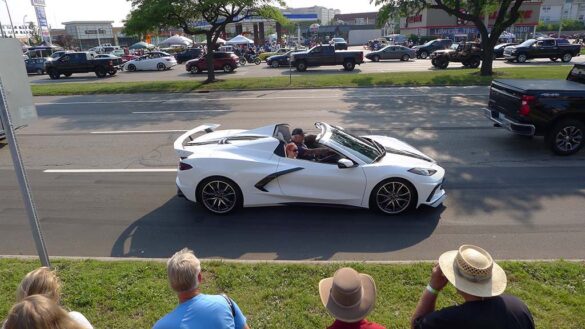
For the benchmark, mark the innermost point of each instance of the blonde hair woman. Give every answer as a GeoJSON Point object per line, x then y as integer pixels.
{"type": "Point", "coordinates": [39, 312]}
{"type": "Point", "coordinates": [44, 281]}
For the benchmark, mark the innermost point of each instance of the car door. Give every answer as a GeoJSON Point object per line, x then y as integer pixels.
{"type": "Point", "coordinates": [314, 182]}
{"type": "Point", "coordinates": [393, 52]}
{"type": "Point", "coordinates": [217, 61]}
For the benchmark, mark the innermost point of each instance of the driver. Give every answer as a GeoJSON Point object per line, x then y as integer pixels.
{"type": "Point", "coordinates": [305, 153]}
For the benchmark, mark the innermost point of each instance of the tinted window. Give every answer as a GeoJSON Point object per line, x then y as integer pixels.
{"type": "Point", "coordinates": [548, 43]}
{"type": "Point", "coordinates": [562, 41]}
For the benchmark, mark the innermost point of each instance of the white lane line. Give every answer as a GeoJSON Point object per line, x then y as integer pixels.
{"type": "Point", "coordinates": [112, 132]}
{"type": "Point", "coordinates": [91, 171]}
{"type": "Point", "coordinates": [186, 111]}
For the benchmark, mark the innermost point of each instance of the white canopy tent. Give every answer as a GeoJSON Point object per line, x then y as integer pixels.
{"type": "Point", "coordinates": [239, 40]}
{"type": "Point", "coordinates": [176, 40]}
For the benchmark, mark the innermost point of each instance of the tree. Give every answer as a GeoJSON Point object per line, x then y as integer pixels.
{"type": "Point", "coordinates": [188, 15]}
{"type": "Point", "coordinates": [506, 13]}
{"type": "Point", "coordinates": [35, 39]}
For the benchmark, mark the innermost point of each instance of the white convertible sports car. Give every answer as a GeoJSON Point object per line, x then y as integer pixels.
{"type": "Point", "coordinates": [227, 169]}
{"type": "Point", "coordinates": [155, 60]}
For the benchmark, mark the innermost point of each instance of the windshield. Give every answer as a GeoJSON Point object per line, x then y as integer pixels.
{"type": "Point", "coordinates": [428, 43]}
{"type": "Point", "coordinates": [358, 147]}
{"type": "Point", "coordinates": [338, 40]}
{"type": "Point", "coordinates": [527, 43]}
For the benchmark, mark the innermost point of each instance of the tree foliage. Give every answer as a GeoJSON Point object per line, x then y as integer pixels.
{"type": "Point", "coordinates": [474, 11]}
{"type": "Point", "coordinates": [148, 16]}
{"type": "Point", "coordinates": [568, 25]}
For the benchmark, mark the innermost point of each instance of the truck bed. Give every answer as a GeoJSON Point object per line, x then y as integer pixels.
{"type": "Point", "coordinates": [548, 85]}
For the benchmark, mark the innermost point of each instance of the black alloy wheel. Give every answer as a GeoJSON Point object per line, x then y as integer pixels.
{"type": "Point", "coordinates": [349, 65]}
{"type": "Point", "coordinates": [131, 67]}
{"type": "Point", "coordinates": [53, 74]}
{"type": "Point", "coordinates": [161, 66]}
{"type": "Point", "coordinates": [424, 54]}
{"type": "Point", "coordinates": [112, 72]}
{"type": "Point", "coordinates": [219, 195]}
{"type": "Point", "coordinates": [227, 68]}
{"type": "Point", "coordinates": [301, 66]}
{"type": "Point", "coordinates": [393, 196]}
{"type": "Point", "coordinates": [274, 64]}
{"type": "Point", "coordinates": [101, 72]}
{"type": "Point", "coordinates": [566, 137]}
{"type": "Point", "coordinates": [474, 63]}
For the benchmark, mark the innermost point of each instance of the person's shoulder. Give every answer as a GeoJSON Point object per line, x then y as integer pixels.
{"type": "Point", "coordinates": [513, 302]}
{"type": "Point", "coordinates": [169, 321]}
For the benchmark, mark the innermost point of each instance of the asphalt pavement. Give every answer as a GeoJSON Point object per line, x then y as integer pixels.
{"type": "Point", "coordinates": [506, 193]}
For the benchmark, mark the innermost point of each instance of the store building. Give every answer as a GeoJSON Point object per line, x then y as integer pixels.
{"type": "Point", "coordinates": [324, 15]}
{"type": "Point", "coordinates": [552, 11]}
{"type": "Point", "coordinates": [88, 34]}
{"type": "Point", "coordinates": [21, 32]}
{"type": "Point", "coordinates": [437, 23]}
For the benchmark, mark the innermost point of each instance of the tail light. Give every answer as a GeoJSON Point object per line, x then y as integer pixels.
{"type": "Point", "coordinates": [525, 107]}
{"type": "Point", "coordinates": [184, 166]}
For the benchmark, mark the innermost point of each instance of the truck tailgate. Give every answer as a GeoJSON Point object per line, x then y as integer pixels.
{"type": "Point", "coordinates": [505, 99]}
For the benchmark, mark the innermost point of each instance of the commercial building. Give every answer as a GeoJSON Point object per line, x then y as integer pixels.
{"type": "Point", "coordinates": [21, 32]}
{"type": "Point", "coordinates": [87, 34]}
{"type": "Point", "coordinates": [324, 15]}
{"type": "Point", "coordinates": [552, 11]}
{"type": "Point", "coordinates": [437, 23]}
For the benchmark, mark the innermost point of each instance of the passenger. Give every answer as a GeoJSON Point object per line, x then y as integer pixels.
{"type": "Point", "coordinates": [480, 281]}
{"type": "Point", "coordinates": [39, 312]}
{"type": "Point", "coordinates": [349, 297]}
{"type": "Point", "coordinates": [197, 310]}
{"type": "Point", "coordinates": [44, 281]}
{"type": "Point", "coordinates": [291, 150]}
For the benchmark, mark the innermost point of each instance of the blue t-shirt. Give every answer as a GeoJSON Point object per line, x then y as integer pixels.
{"type": "Point", "coordinates": [203, 312]}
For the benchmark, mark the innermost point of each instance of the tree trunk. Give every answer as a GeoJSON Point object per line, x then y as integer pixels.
{"type": "Point", "coordinates": [209, 57]}
{"type": "Point", "coordinates": [487, 47]}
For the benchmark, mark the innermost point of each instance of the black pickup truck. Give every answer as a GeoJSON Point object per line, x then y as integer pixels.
{"type": "Point", "coordinates": [551, 48]}
{"type": "Point", "coordinates": [80, 62]}
{"type": "Point", "coordinates": [554, 109]}
{"type": "Point", "coordinates": [326, 55]}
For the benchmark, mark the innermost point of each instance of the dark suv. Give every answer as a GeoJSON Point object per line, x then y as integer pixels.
{"type": "Point", "coordinates": [428, 48]}
{"type": "Point", "coordinates": [226, 61]}
{"type": "Point", "coordinates": [188, 54]}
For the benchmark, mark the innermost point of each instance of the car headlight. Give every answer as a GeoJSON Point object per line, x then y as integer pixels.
{"type": "Point", "coordinates": [422, 171]}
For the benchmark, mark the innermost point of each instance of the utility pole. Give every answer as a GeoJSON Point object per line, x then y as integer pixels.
{"type": "Point", "coordinates": [10, 18]}
{"type": "Point", "coordinates": [2, 35]}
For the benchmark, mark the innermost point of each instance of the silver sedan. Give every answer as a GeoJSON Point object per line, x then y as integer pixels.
{"type": "Point", "coordinates": [392, 52]}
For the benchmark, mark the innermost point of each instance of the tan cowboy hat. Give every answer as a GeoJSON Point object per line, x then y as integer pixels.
{"type": "Point", "coordinates": [348, 296]}
{"type": "Point", "coordinates": [472, 270]}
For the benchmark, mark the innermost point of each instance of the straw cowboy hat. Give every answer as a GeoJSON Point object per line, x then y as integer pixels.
{"type": "Point", "coordinates": [472, 270]}
{"type": "Point", "coordinates": [348, 296]}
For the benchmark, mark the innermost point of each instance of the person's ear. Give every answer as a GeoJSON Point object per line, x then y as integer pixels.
{"type": "Point", "coordinates": [199, 277]}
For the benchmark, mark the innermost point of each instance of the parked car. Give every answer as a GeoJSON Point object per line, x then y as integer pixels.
{"type": "Point", "coordinates": [280, 60]}
{"type": "Point", "coordinates": [264, 56]}
{"type": "Point", "coordinates": [323, 55]}
{"type": "Point", "coordinates": [541, 108]}
{"type": "Point", "coordinates": [154, 60]}
{"type": "Point", "coordinates": [188, 54]}
{"type": "Point", "coordinates": [499, 49]}
{"type": "Point", "coordinates": [226, 61]}
{"type": "Point", "coordinates": [224, 170]}
{"type": "Point", "coordinates": [428, 48]}
{"type": "Point", "coordinates": [35, 65]}
{"type": "Point", "coordinates": [551, 48]}
{"type": "Point", "coordinates": [339, 43]}
{"type": "Point", "coordinates": [392, 52]}
{"type": "Point", "coordinates": [80, 62]}
{"type": "Point", "coordinates": [469, 54]}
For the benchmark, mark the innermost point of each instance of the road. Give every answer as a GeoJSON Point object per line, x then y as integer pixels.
{"type": "Point", "coordinates": [263, 70]}
{"type": "Point", "coordinates": [506, 193]}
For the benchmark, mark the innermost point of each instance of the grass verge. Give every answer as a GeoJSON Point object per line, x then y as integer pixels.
{"type": "Point", "coordinates": [135, 294]}
{"type": "Point", "coordinates": [454, 77]}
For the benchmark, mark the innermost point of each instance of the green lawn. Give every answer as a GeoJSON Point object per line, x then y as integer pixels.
{"type": "Point", "coordinates": [450, 77]}
{"type": "Point", "coordinates": [135, 294]}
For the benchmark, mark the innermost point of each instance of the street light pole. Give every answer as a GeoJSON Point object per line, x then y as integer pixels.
{"type": "Point", "coordinates": [2, 35]}
{"type": "Point", "coordinates": [10, 18]}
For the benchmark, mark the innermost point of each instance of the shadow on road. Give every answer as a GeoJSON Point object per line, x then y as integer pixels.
{"type": "Point", "coordinates": [287, 233]}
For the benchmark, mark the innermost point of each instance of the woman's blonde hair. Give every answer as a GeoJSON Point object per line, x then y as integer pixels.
{"type": "Point", "coordinates": [39, 312]}
{"type": "Point", "coordinates": [42, 281]}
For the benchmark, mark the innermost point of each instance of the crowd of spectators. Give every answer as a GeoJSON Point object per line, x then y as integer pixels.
{"type": "Point", "coordinates": [348, 296]}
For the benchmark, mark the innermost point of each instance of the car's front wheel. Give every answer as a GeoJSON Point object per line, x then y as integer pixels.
{"type": "Point", "coordinates": [131, 68]}
{"type": "Point", "coordinates": [227, 68]}
{"type": "Point", "coordinates": [393, 196]}
{"type": "Point", "coordinates": [219, 195]}
{"type": "Point", "coordinates": [424, 54]}
{"type": "Point", "coordinates": [274, 64]}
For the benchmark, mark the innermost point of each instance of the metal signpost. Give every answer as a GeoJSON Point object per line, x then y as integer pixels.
{"type": "Point", "coordinates": [17, 109]}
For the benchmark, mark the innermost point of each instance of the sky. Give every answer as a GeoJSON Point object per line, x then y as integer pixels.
{"type": "Point", "coordinates": [59, 11]}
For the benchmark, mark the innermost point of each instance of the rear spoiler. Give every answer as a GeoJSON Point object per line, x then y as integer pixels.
{"type": "Point", "coordinates": [188, 137]}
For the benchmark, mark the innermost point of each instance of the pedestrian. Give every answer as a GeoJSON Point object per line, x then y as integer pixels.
{"type": "Point", "coordinates": [481, 282]}
{"type": "Point", "coordinates": [44, 281]}
{"type": "Point", "coordinates": [349, 297]}
{"type": "Point", "coordinates": [39, 312]}
{"type": "Point", "coordinates": [197, 310]}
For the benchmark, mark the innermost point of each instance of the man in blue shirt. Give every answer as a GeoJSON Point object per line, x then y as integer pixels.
{"type": "Point", "coordinates": [197, 310]}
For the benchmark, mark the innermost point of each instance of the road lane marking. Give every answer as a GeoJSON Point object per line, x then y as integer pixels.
{"type": "Point", "coordinates": [104, 171]}
{"type": "Point", "coordinates": [113, 132]}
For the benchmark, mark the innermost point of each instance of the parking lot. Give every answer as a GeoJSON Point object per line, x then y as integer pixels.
{"type": "Point", "coordinates": [251, 70]}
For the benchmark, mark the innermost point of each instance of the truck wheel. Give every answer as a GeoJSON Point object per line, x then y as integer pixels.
{"type": "Point", "coordinates": [40, 71]}
{"type": "Point", "coordinates": [424, 54]}
{"type": "Point", "coordinates": [376, 58]}
{"type": "Point", "coordinates": [301, 66]}
{"type": "Point", "coordinates": [131, 67]}
{"type": "Point", "coordinates": [113, 72]}
{"type": "Point", "coordinates": [101, 72]}
{"type": "Point", "coordinates": [554, 59]}
{"type": "Point", "coordinates": [566, 137]}
{"type": "Point", "coordinates": [54, 74]}
{"type": "Point", "coordinates": [161, 66]}
{"type": "Point", "coordinates": [349, 65]}
{"type": "Point", "coordinates": [474, 63]}
{"type": "Point", "coordinates": [566, 58]}
{"type": "Point", "coordinates": [68, 74]}
{"type": "Point", "coordinates": [405, 58]}
{"type": "Point", "coordinates": [441, 63]}
{"type": "Point", "coordinates": [521, 58]}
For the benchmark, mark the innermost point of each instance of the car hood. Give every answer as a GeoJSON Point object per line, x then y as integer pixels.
{"type": "Point", "coordinates": [397, 147]}
{"type": "Point", "coordinates": [276, 57]}
{"type": "Point", "coordinates": [444, 51]}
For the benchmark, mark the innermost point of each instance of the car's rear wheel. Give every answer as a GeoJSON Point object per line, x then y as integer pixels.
{"type": "Point", "coordinates": [40, 71]}
{"type": "Point", "coordinates": [405, 58]}
{"type": "Point", "coordinates": [349, 65]}
{"type": "Point", "coordinates": [53, 74]}
{"type": "Point", "coordinates": [131, 67]}
{"type": "Point", "coordinates": [566, 137]}
{"type": "Point", "coordinates": [112, 72]}
{"type": "Point", "coordinates": [101, 72]}
{"type": "Point", "coordinates": [274, 64]}
{"type": "Point", "coordinates": [301, 66]}
{"type": "Point", "coordinates": [393, 196]}
{"type": "Point", "coordinates": [566, 58]}
{"type": "Point", "coordinates": [161, 66]}
{"type": "Point", "coordinates": [219, 195]}
{"type": "Point", "coordinates": [227, 68]}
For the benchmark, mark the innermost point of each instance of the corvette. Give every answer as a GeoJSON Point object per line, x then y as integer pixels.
{"type": "Point", "coordinates": [225, 170]}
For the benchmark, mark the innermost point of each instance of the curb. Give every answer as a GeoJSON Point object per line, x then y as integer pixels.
{"type": "Point", "coordinates": [259, 261]}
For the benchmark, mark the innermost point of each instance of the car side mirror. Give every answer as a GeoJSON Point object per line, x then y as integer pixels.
{"type": "Point", "coordinates": [345, 163]}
